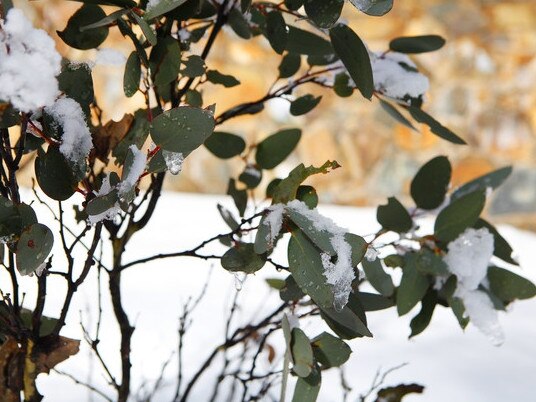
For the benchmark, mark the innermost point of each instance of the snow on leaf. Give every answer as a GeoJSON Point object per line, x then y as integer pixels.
{"type": "Point", "coordinates": [29, 64]}
{"type": "Point", "coordinates": [468, 256]}
{"type": "Point", "coordinates": [396, 76]}
{"type": "Point", "coordinates": [76, 140]}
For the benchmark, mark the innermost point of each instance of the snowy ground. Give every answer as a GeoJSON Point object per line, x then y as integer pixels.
{"type": "Point", "coordinates": [454, 366]}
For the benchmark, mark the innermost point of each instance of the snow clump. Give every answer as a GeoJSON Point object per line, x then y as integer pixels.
{"type": "Point", "coordinates": [29, 64]}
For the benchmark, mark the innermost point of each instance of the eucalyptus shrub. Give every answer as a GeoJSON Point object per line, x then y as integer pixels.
{"type": "Point", "coordinates": [48, 112]}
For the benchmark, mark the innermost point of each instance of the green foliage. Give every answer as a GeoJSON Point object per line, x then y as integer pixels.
{"type": "Point", "coordinates": [354, 54]}
{"type": "Point", "coordinates": [275, 148]}
{"type": "Point", "coordinates": [168, 67]}
{"type": "Point", "coordinates": [417, 44]}
{"type": "Point", "coordinates": [84, 39]}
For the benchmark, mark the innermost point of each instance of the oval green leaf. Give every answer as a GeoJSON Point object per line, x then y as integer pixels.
{"type": "Point", "coordinates": [417, 44]}
{"type": "Point", "coordinates": [33, 248]}
{"type": "Point", "coordinates": [354, 55]}
{"type": "Point", "coordinates": [88, 38]}
{"type": "Point", "coordinates": [277, 147]}
{"type": "Point", "coordinates": [430, 184]}
{"type": "Point", "coordinates": [182, 129]}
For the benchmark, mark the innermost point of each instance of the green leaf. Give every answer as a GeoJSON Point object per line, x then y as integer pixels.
{"type": "Point", "coordinates": [182, 129]}
{"type": "Point", "coordinates": [291, 291]}
{"type": "Point", "coordinates": [103, 203]}
{"type": "Point", "coordinates": [307, 389]}
{"type": "Point", "coordinates": [430, 184]}
{"type": "Point", "coordinates": [324, 13]}
{"type": "Point", "coordinates": [490, 180]}
{"type": "Point", "coordinates": [308, 195]}
{"type": "Point", "coordinates": [75, 82]}
{"type": "Point", "coordinates": [501, 248]}
{"type": "Point", "coordinates": [89, 38]}
{"type": "Point", "coordinates": [162, 7]}
{"type": "Point", "coordinates": [10, 220]}
{"type": "Point", "coordinates": [348, 323]}
{"type": "Point", "coordinates": [413, 286]}
{"type": "Point", "coordinates": [132, 76]}
{"type": "Point", "coordinates": [330, 351]}
{"type": "Point", "coordinates": [148, 32]}
{"type": "Point", "coordinates": [106, 20]}
{"type": "Point", "coordinates": [430, 263]}
{"type": "Point", "coordinates": [277, 147]}
{"type": "Point", "coordinates": [239, 24]}
{"type": "Point", "coordinates": [394, 216]}
{"type": "Point", "coordinates": [374, 302]}
{"type": "Point", "coordinates": [228, 81]}
{"type": "Point", "coordinates": [307, 270]}
{"type": "Point", "coordinates": [46, 325]}
{"type": "Point", "coordinates": [194, 66]}
{"type": "Point", "coordinates": [376, 8]}
{"type": "Point", "coordinates": [194, 98]}
{"type": "Point", "coordinates": [294, 4]}
{"type": "Point", "coordinates": [27, 215]}
{"type": "Point", "coordinates": [242, 258]}
{"type": "Point", "coordinates": [459, 215]}
{"type": "Point", "coordinates": [276, 31]}
{"type": "Point", "coordinates": [136, 135]}
{"type": "Point", "coordinates": [377, 277]}
{"type": "Point", "coordinates": [304, 104]}
{"type": "Point", "coordinates": [342, 86]}
{"type": "Point", "coordinates": [508, 286]}
{"type": "Point", "coordinates": [421, 321]}
{"type": "Point", "coordinates": [290, 64]}
{"type": "Point", "coordinates": [228, 218]}
{"type": "Point", "coordinates": [240, 197]}
{"type": "Point", "coordinates": [437, 128]}
{"type": "Point", "coordinates": [276, 283]}
{"type": "Point", "coordinates": [33, 248]}
{"type": "Point", "coordinates": [286, 189]}
{"type": "Point", "coordinates": [354, 55]}
{"type": "Point", "coordinates": [302, 353]}
{"type": "Point", "coordinates": [305, 42]}
{"type": "Point", "coordinates": [165, 61]}
{"type": "Point", "coordinates": [251, 176]}
{"type": "Point", "coordinates": [395, 114]}
{"type": "Point", "coordinates": [417, 44]}
{"type": "Point", "coordinates": [225, 145]}
{"type": "Point", "coordinates": [54, 175]}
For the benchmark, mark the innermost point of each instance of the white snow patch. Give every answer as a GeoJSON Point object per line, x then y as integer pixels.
{"type": "Point", "coordinates": [76, 140]}
{"type": "Point", "coordinates": [274, 220]}
{"type": "Point", "coordinates": [371, 254]}
{"type": "Point", "coordinates": [110, 57]}
{"type": "Point", "coordinates": [468, 258]}
{"type": "Point", "coordinates": [110, 213]}
{"type": "Point", "coordinates": [396, 76]}
{"type": "Point", "coordinates": [134, 171]}
{"type": "Point", "coordinates": [469, 255]}
{"type": "Point", "coordinates": [174, 161]}
{"type": "Point", "coordinates": [341, 273]}
{"type": "Point", "coordinates": [29, 64]}
{"type": "Point", "coordinates": [479, 308]}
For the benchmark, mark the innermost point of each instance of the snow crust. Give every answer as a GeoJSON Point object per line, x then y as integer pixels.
{"type": "Point", "coordinates": [339, 274]}
{"type": "Point", "coordinates": [396, 76]}
{"type": "Point", "coordinates": [29, 64]}
{"type": "Point", "coordinates": [174, 161]}
{"type": "Point", "coordinates": [274, 220]}
{"type": "Point", "coordinates": [468, 258]}
{"type": "Point", "coordinates": [134, 172]}
{"type": "Point", "coordinates": [76, 140]}
{"type": "Point", "coordinates": [110, 213]}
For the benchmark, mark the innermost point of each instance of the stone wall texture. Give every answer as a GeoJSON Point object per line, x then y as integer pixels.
{"type": "Point", "coordinates": [483, 87]}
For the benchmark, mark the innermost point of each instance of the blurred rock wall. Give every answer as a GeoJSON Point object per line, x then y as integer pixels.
{"type": "Point", "coordinates": [483, 87]}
